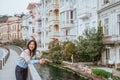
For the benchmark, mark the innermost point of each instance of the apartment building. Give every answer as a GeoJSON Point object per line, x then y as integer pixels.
{"type": "Point", "coordinates": [68, 20]}
{"type": "Point", "coordinates": [109, 14]}
{"type": "Point", "coordinates": [34, 22]}
{"type": "Point", "coordinates": [48, 21]}
{"type": "Point", "coordinates": [87, 15]}
{"type": "Point", "coordinates": [10, 29]}
{"type": "Point", "coordinates": [26, 29]}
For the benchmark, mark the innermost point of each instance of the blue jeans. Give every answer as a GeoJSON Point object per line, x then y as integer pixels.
{"type": "Point", "coordinates": [21, 73]}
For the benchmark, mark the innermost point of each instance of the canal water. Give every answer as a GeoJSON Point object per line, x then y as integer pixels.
{"type": "Point", "coordinates": [53, 73]}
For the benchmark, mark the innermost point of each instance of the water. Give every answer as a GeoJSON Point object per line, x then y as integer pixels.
{"type": "Point", "coordinates": [52, 73]}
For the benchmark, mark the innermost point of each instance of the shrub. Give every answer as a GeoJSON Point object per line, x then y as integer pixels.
{"type": "Point", "coordinates": [69, 50]}
{"type": "Point", "coordinates": [102, 73]}
{"type": "Point", "coordinates": [57, 57]}
{"type": "Point", "coordinates": [118, 69]}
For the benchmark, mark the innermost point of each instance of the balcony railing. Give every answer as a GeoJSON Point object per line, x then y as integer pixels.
{"type": "Point", "coordinates": [84, 13]}
{"type": "Point", "coordinates": [67, 37]}
{"type": "Point", "coordinates": [54, 34]}
{"type": "Point", "coordinates": [68, 24]}
{"type": "Point", "coordinates": [111, 39]}
{"type": "Point", "coordinates": [52, 7]}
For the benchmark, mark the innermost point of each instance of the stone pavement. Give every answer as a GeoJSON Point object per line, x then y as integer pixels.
{"type": "Point", "coordinates": [8, 70]}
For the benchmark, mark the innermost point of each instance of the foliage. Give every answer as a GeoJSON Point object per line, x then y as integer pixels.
{"type": "Point", "coordinates": [57, 57]}
{"type": "Point", "coordinates": [90, 45]}
{"type": "Point", "coordinates": [55, 53]}
{"type": "Point", "coordinates": [68, 50]}
{"type": "Point", "coordinates": [102, 73]}
{"type": "Point", "coordinates": [118, 69]}
{"type": "Point", "coordinates": [17, 42]}
{"type": "Point", "coordinates": [54, 46]}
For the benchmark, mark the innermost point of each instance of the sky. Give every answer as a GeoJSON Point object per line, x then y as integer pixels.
{"type": "Point", "coordinates": [11, 7]}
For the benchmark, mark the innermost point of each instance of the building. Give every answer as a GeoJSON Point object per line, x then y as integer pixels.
{"type": "Point", "coordinates": [109, 14]}
{"type": "Point", "coordinates": [34, 23]}
{"type": "Point", "coordinates": [87, 15]}
{"type": "Point", "coordinates": [26, 29]}
{"type": "Point", "coordinates": [10, 29]}
{"type": "Point", "coordinates": [67, 16]}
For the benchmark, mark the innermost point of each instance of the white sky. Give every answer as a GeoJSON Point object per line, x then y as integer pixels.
{"type": "Point", "coordinates": [11, 7]}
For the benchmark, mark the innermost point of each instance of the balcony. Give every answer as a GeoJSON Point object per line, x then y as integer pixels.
{"type": "Point", "coordinates": [69, 24]}
{"type": "Point", "coordinates": [67, 37]}
{"type": "Point", "coordinates": [54, 22]}
{"type": "Point", "coordinates": [111, 40]}
{"type": "Point", "coordinates": [53, 34]}
{"type": "Point", "coordinates": [84, 13]}
{"type": "Point", "coordinates": [52, 7]}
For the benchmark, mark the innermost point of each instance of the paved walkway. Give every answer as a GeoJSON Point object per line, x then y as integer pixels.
{"type": "Point", "coordinates": [8, 71]}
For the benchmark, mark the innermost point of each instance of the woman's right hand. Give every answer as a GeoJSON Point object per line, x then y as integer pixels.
{"type": "Point", "coordinates": [41, 61]}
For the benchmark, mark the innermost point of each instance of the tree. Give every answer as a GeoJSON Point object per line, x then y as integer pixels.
{"type": "Point", "coordinates": [90, 44]}
{"type": "Point", "coordinates": [69, 50]}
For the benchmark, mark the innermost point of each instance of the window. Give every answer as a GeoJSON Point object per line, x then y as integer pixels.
{"type": "Point", "coordinates": [106, 26]}
{"type": "Point", "coordinates": [71, 17]}
{"type": "Point", "coordinates": [66, 32]}
{"type": "Point", "coordinates": [33, 30]}
{"type": "Point", "coordinates": [107, 54]}
{"type": "Point", "coordinates": [87, 26]}
{"type": "Point", "coordinates": [106, 1]}
{"type": "Point", "coordinates": [67, 17]}
{"type": "Point", "coordinates": [94, 23]}
{"type": "Point", "coordinates": [118, 18]}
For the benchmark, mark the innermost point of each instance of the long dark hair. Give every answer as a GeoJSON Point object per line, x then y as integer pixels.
{"type": "Point", "coordinates": [34, 50]}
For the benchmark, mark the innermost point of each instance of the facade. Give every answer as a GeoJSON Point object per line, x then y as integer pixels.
{"type": "Point", "coordinates": [48, 22]}
{"type": "Point", "coordinates": [67, 19]}
{"type": "Point", "coordinates": [34, 21]}
{"type": "Point", "coordinates": [26, 30]}
{"type": "Point", "coordinates": [87, 15]}
{"type": "Point", "coordinates": [11, 29]}
{"type": "Point", "coordinates": [67, 16]}
{"type": "Point", "coordinates": [109, 14]}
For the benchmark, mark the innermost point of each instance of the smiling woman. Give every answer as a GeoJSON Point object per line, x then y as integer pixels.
{"type": "Point", "coordinates": [24, 59]}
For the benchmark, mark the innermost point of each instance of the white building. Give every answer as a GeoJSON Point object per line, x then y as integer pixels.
{"type": "Point", "coordinates": [26, 29]}
{"type": "Point", "coordinates": [67, 16]}
{"type": "Point", "coordinates": [87, 15]}
{"type": "Point", "coordinates": [109, 14]}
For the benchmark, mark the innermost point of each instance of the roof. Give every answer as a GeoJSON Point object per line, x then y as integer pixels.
{"type": "Point", "coordinates": [31, 5]}
{"type": "Point", "coordinates": [3, 19]}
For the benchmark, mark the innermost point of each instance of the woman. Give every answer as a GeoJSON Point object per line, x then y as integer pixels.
{"type": "Point", "coordinates": [24, 59]}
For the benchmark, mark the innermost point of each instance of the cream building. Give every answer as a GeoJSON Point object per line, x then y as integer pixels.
{"type": "Point", "coordinates": [11, 29]}
{"type": "Point", "coordinates": [109, 14]}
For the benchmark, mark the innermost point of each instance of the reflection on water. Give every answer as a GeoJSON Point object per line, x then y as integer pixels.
{"type": "Point", "coordinates": [53, 73]}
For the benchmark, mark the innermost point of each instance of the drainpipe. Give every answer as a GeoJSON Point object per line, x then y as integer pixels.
{"type": "Point", "coordinates": [116, 53]}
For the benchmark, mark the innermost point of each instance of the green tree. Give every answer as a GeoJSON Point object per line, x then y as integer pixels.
{"type": "Point", "coordinates": [90, 44]}
{"type": "Point", "coordinates": [69, 50]}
